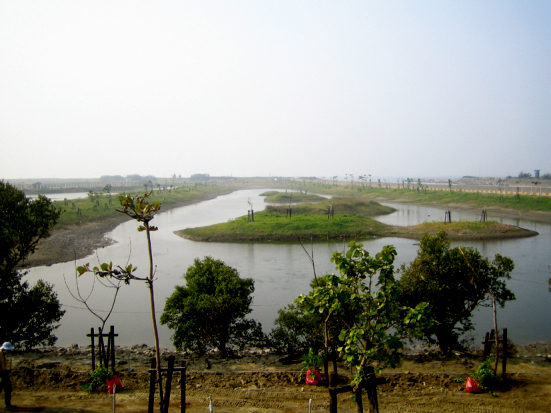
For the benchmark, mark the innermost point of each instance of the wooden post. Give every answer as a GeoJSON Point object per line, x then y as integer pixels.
{"type": "Point", "coordinates": [488, 344]}
{"type": "Point", "coordinates": [168, 385]}
{"type": "Point", "coordinates": [359, 404]}
{"type": "Point", "coordinates": [101, 351]}
{"type": "Point", "coordinates": [333, 400]}
{"type": "Point", "coordinates": [103, 356]}
{"type": "Point", "coordinates": [326, 369]}
{"type": "Point", "coordinates": [371, 390]}
{"type": "Point", "coordinates": [152, 379]}
{"type": "Point", "coordinates": [504, 361]}
{"type": "Point", "coordinates": [370, 385]}
{"type": "Point", "coordinates": [112, 338]}
{"type": "Point", "coordinates": [93, 349]}
{"type": "Point", "coordinates": [108, 351]}
{"type": "Point", "coordinates": [333, 379]}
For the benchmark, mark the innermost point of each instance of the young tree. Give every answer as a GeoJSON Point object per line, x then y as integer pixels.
{"type": "Point", "coordinates": [143, 211]}
{"type": "Point", "coordinates": [454, 281]}
{"type": "Point", "coordinates": [363, 300]}
{"type": "Point", "coordinates": [209, 312]}
{"type": "Point", "coordinates": [29, 313]}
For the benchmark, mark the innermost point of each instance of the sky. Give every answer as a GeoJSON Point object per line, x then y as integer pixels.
{"type": "Point", "coordinates": [274, 88]}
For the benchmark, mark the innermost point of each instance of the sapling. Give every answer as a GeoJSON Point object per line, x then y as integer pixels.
{"type": "Point", "coordinates": [143, 211]}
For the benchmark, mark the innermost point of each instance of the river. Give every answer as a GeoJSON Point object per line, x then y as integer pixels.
{"type": "Point", "coordinates": [281, 271]}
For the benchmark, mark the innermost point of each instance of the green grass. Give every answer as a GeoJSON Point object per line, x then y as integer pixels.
{"type": "Point", "coordinates": [176, 197]}
{"type": "Point", "coordinates": [351, 221]}
{"type": "Point", "coordinates": [457, 226]}
{"type": "Point", "coordinates": [341, 205]}
{"type": "Point", "coordinates": [442, 198]}
{"type": "Point", "coordinates": [308, 221]}
{"type": "Point", "coordinates": [185, 196]}
{"type": "Point", "coordinates": [277, 227]}
{"type": "Point", "coordinates": [286, 198]}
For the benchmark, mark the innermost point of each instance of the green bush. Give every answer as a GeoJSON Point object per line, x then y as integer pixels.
{"type": "Point", "coordinates": [485, 376]}
{"type": "Point", "coordinates": [97, 379]}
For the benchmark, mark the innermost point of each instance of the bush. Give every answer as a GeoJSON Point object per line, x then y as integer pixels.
{"type": "Point", "coordinates": [209, 312]}
{"type": "Point", "coordinates": [485, 376]}
{"type": "Point", "coordinates": [97, 379]}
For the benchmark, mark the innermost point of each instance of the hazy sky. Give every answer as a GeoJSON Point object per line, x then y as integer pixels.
{"type": "Point", "coordinates": [293, 88]}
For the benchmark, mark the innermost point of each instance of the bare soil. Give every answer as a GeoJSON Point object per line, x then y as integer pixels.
{"type": "Point", "coordinates": [49, 381]}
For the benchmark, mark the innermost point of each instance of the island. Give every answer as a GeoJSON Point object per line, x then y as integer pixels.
{"type": "Point", "coordinates": [339, 218]}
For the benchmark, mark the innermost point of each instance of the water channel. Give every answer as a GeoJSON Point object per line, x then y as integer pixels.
{"type": "Point", "coordinates": [281, 271]}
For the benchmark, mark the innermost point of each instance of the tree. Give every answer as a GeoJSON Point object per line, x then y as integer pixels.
{"type": "Point", "coordinates": [363, 299]}
{"type": "Point", "coordinates": [140, 209]}
{"type": "Point", "coordinates": [23, 223]}
{"type": "Point", "coordinates": [209, 311]}
{"type": "Point", "coordinates": [296, 329]}
{"type": "Point", "coordinates": [29, 313]}
{"type": "Point", "coordinates": [454, 281]}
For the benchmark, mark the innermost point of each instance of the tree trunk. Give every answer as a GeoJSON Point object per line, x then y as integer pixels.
{"type": "Point", "coordinates": [153, 318]}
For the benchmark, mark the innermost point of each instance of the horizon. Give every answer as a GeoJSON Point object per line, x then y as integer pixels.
{"type": "Point", "coordinates": [339, 178]}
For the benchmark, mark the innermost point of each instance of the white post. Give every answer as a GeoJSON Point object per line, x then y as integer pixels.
{"type": "Point", "coordinates": [114, 396]}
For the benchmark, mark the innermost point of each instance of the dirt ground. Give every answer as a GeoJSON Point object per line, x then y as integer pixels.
{"type": "Point", "coordinates": [49, 381]}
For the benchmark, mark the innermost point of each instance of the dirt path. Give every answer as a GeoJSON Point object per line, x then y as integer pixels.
{"type": "Point", "coordinates": [49, 381]}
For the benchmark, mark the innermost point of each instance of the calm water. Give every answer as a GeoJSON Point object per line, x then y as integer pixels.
{"type": "Point", "coordinates": [281, 271]}
{"type": "Point", "coordinates": [62, 196]}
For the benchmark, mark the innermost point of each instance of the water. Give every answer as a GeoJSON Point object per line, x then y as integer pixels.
{"type": "Point", "coordinates": [281, 271]}
{"type": "Point", "coordinates": [62, 196]}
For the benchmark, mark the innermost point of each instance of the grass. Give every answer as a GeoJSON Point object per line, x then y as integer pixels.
{"type": "Point", "coordinates": [458, 226]}
{"type": "Point", "coordinates": [442, 198]}
{"type": "Point", "coordinates": [308, 221]}
{"type": "Point", "coordinates": [341, 205]}
{"type": "Point", "coordinates": [352, 205]}
{"type": "Point", "coordinates": [85, 211]}
{"type": "Point", "coordinates": [276, 227]}
{"type": "Point", "coordinates": [285, 198]}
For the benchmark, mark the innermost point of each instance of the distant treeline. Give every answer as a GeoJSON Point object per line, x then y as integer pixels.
{"type": "Point", "coordinates": [207, 177]}
{"type": "Point", "coordinates": [134, 178]}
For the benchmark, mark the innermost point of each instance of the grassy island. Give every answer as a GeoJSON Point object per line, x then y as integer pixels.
{"type": "Point", "coordinates": [275, 197]}
{"type": "Point", "coordinates": [350, 219]}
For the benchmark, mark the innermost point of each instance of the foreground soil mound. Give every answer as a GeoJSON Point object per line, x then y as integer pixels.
{"type": "Point", "coordinates": [50, 380]}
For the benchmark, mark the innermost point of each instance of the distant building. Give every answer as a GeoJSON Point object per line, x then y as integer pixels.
{"type": "Point", "coordinates": [30, 185]}
{"type": "Point", "coordinates": [537, 173]}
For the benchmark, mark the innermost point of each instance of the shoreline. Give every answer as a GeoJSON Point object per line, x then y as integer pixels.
{"type": "Point", "coordinates": [77, 242]}
{"type": "Point", "coordinates": [538, 352]}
